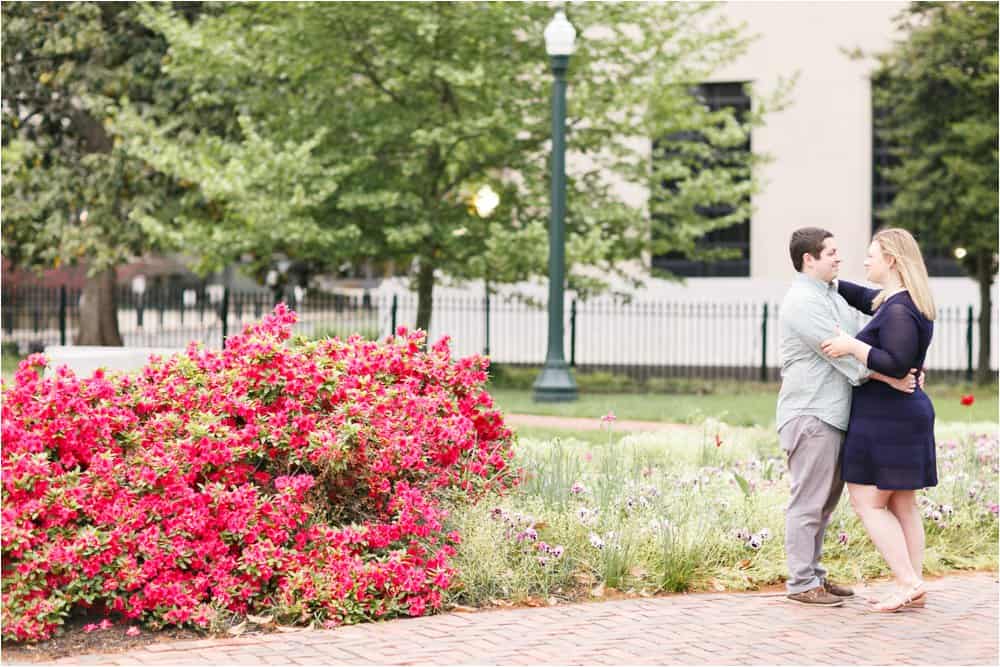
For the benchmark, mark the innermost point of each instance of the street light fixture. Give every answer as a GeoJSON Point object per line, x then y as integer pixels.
{"type": "Point", "coordinates": [555, 382]}
{"type": "Point", "coordinates": [486, 201]}
{"type": "Point", "coordinates": [139, 289]}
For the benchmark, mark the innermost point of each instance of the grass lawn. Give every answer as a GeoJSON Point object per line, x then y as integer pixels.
{"type": "Point", "coordinates": [10, 363]}
{"type": "Point", "coordinates": [738, 407]}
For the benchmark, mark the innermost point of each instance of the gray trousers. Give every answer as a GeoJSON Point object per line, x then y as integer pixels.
{"type": "Point", "coordinates": [814, 449]}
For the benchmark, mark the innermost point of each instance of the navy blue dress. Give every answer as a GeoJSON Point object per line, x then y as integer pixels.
{"type": "Point", "coordinates": [890, 437]}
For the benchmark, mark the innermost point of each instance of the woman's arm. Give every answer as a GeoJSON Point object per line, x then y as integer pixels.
{"type": "Point", "coordinates": [898, 336]}
{"type": "Point", "coordinates": [858, 296]}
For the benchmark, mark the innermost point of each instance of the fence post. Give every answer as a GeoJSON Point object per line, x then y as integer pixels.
{"type": "Point", "coordinates": [572, 334]}
{"type": "Point", "coordinates": [486, 305]}
{"type": "Point", "coordinates": [224, 315]}
{"type": "Point", "coordinates": [393, 310]}
{"type": "Point", "coordinates": [62, 314]}
{"type": "Point", "coordinates": [968, 347]}
{"type": "Point", "coordinates": [763, 346]}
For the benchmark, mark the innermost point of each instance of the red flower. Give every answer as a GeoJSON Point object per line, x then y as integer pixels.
{"type": "Point", "coordinates": [968, 399]}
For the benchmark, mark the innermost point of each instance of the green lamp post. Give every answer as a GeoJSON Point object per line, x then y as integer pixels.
{"type": "Point", "coordinates": [555, 382]}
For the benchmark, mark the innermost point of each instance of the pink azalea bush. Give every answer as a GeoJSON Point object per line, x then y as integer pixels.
{"type": "Point", "coordinates": [302, 478]}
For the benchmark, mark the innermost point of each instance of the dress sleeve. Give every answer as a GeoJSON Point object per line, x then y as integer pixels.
{"type": "Point", "coordinates": [899, 343]}
{"type": "Point", "coordinates": [858, 296]}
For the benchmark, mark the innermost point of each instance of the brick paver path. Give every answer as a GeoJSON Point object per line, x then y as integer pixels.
{"type": "Point", "coordinates": [958, 627]}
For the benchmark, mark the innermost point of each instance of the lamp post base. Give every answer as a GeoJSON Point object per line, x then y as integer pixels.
{"type": "Point", "coordinates": [555, 383]}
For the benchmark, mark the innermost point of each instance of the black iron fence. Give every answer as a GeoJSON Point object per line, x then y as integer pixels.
{"type": "Point", "coordinates": [641, 339]}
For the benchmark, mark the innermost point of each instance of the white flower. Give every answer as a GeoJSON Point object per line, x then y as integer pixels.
{"type": "Point", "coordinates": [764, 534]}
{"type": "Point", "coordinates": [755, 542]}
{"type": "Point", "coordinates": [596, 541]}
{"type": "Point", "coordinates": [658, 525]}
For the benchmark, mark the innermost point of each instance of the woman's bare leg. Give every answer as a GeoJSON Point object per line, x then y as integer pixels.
{"type": "Point", "coordinates": [883, 527]}
{"type": "Point", "coordinates": [903, 505]}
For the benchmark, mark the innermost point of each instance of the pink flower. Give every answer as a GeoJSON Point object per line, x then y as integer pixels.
{"type": "Point", "coordinates": [133, 631]}
{"type": "Point", "coordinates": [608, 418]}
{"type": "Point", "coordinates": [205, 470]}
{"type": "Point", "coordinates": [90, 627]}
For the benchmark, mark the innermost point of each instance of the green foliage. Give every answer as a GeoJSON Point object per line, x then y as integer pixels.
{"type": "Point", "coordinates": [939, 90]}
{"type": "Point", "coordinates": [365, 129]}
{"type": "Point", "coordinates": [938, 87]}
{"type": "Point", "coordinates": [343, 332]}
{"type": "Point", "coordinates": [70, 192]}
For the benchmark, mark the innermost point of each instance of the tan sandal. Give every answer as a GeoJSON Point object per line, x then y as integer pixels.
{"type": "Point", "coordinates": [914, 597]}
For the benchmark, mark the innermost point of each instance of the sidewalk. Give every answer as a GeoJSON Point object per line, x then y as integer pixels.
{"type": "Point", "coordinates": [958, 627]}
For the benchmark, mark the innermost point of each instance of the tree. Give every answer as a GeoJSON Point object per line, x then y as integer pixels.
{"type": "Point", "coordinates": [70, 192]}
{"type": "Point", "coordinates": [938, 87]}
{"type": "Point", "coordinates": [404, 109]}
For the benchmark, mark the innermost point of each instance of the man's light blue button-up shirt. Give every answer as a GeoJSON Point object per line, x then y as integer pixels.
{"type": "Point", "coordinates": [812, 383]}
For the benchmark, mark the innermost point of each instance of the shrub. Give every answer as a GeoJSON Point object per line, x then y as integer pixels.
{"type": "Point", "coordinates": [306, 479]}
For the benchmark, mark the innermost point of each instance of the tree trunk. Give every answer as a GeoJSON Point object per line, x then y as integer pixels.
{"type": "Point", "coordinates": [425, 294]}
{"type": "Point", "coordinates": [985, 279]}
{"type": "Point", "coordinates": [99, 311]}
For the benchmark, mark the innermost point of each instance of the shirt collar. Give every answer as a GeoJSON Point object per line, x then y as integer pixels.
{"type": "Point", "coordinates": [813, 283]}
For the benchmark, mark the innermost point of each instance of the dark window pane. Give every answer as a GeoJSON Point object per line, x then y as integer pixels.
{"type": "Point", "coordinates": [715, 96]}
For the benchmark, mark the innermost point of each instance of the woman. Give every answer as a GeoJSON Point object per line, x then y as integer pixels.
{"type": "Point", "coordinates": [889, 447]}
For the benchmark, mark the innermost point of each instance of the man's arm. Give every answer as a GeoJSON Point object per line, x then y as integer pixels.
{"type": "Point", "coordinates": [906, 384]}
{"type": "Point", "coordinates": [813, 321]}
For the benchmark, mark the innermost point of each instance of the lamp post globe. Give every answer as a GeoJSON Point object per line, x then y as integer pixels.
{"type": "Point", "coordinates": [486, 201]}
{"type": "Point", "coordinates": [555, 382]}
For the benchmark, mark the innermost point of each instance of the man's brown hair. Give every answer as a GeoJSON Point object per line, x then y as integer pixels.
{"type": "Point", "coordinates": [807, 240]}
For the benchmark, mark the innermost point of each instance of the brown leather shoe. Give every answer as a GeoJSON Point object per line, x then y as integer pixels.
{"type": "Point", "coordinates": [837, 589]}
{"type": "Point", "coordinates": [817, 596]}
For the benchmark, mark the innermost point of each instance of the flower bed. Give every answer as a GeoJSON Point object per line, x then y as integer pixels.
{"type": "Point", "coordinates": [300, 479]}
{"type": "Point", "coordinates": [698, 509]}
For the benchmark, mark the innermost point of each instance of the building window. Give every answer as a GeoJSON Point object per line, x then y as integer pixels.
{"type": "Point", "coordinates": [939, 260]}
{"type": "Point", "coordinates": [735, 237]}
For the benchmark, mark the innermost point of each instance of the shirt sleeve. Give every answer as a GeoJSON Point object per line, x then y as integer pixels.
{"type": "Point", "coordinates": [899, 343]}
{"type": "Point", "coordinates": [813, 322]}
{"type": "Point", "coordinates": [859, 296]}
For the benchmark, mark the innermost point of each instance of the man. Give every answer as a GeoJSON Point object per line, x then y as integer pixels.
{"type": "Point", "coordinates": [814, 406]}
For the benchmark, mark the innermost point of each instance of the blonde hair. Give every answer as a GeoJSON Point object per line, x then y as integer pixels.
{"type": "Point", "coordinates": [900, 245]}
